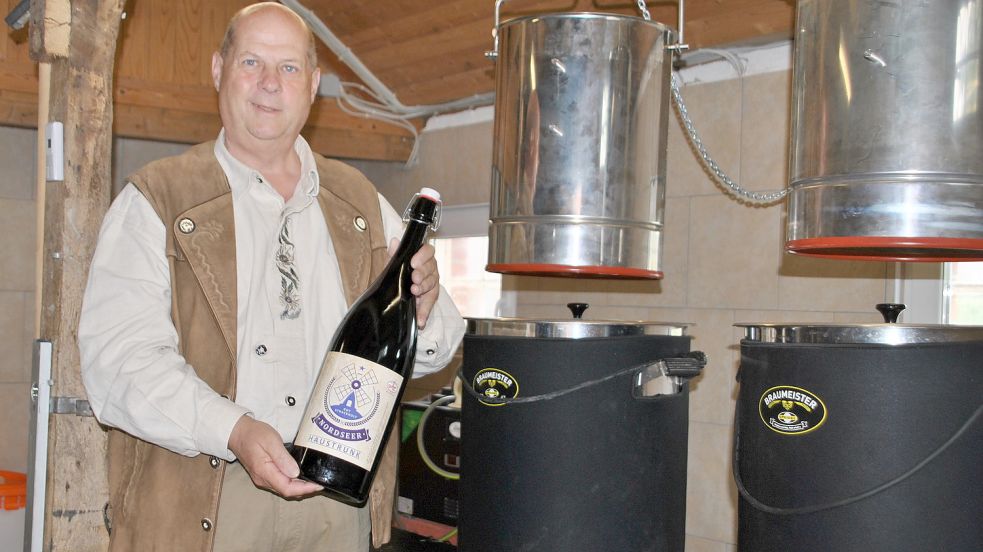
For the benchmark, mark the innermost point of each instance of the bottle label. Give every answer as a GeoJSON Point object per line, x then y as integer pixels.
{"type": "Point", "coordinates": [349, 408]}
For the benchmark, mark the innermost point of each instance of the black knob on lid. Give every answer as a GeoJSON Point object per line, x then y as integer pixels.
{"type": "Point", "coordinates": [890, 311]}
{"type": "Point", "coordinates": [577, 309]}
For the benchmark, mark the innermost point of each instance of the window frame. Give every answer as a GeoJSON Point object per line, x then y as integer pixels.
{"type": "Point", "coordinates": [467, 221]}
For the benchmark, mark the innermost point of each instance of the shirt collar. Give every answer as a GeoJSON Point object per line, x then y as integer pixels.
{"type": "Point", "coordinates": [241, 176]}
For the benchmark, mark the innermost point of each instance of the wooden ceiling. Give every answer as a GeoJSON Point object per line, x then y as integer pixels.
{"type": "Point", "coordinates": [433, 51]}
{"type": "Point", "coordinates": [425, 51]}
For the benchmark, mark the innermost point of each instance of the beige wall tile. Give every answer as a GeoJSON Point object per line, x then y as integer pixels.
{"type": "Point", "coordinates": [15, 413]}
{"type": "Point", "coordinates": [713, 392]}
{"type": "Point", "coordinates": [560, 291]}
{"type": "Point", "coordinates": [808, 283]}
{"type": "Point", "coordinates": [698, 544]}
{"type": "Point", "coordinates": [17, 230]}
{"type": "Point", "coordinates": [765, 131]}
{"type": "Point", "coordinates": [130, 154]}
{"type": "Point", "coordinates": [715, 109]}
{"type": "Point", "coordinates": [15, 360]}
{"type": "Point", "coordinates": [455, 161]}
{"type": "Point", "coordinates": [733, 254]}
{"type": "Point", "coordinates": [872, 317]}
{"type": "Point", "coordinates": [711, 498]}
{"type": "Point", "coordinates": [18, 151]}
{"type": "Point", "coordinates": [776, 316]}
{"type": "Point", "coordinates": [670, 291]}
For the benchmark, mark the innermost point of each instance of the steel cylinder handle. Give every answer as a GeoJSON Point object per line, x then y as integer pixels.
{"type": "Point", "coordinates": [679, 46]}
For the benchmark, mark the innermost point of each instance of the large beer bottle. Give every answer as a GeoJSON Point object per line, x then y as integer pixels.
{"type": "Point", "coordinates": [353, 405]}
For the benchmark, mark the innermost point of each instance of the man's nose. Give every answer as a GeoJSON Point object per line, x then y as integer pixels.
{"type": "Point", "coordinates": [270, 81]}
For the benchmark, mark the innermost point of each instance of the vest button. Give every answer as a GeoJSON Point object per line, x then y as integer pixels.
{"type": "Point", "coordinates": [213, 462]}
{"type": "Point", "coordinates": [261, 350]}
{"type": "Point", "coordinates": [186, 226]}
{"type": "Point", "coordinates": [360, 223]}
{"type": "Point", "coordinates": [291, 401]}
{"type": "Point", "coordinates": [206, 524]}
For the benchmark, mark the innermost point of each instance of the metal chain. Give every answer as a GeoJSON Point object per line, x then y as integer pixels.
{"type": "Point", "coordinates": [644, 9]}
{"type": "Point", "coordinates": [753, 197]}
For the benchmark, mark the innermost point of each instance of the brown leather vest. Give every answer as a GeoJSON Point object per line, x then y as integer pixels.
{"type": "Point", "coordinates": [160, 500]}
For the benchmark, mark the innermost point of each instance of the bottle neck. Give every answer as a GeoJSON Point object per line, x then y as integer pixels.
{"type": "Point", "coordinates": [420, 215]}
{"type": "Point", "coordinates": [413, 238]}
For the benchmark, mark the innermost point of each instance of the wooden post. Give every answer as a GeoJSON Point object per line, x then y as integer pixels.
{"type": "Point", "coordinates": [81, 98]}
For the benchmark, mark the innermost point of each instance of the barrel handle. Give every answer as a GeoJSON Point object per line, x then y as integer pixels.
{"type": "Point", "coordinates": [683, 367]}
{"type": "Point", "coordinates": [758, 505]}
{"type": "Point", "coordinates": [679, 46]}
{"type": "Point", "coordinates": [668, 376]}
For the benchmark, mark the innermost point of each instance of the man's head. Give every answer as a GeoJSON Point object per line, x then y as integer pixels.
{"type": "Point", "coordinates": [266, 75]}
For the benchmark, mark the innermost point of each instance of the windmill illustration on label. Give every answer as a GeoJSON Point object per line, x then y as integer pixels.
{"type": "Point", "coordinates": [353, 392]}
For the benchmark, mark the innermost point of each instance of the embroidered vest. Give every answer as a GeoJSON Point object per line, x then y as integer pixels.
{"type": "Point", "coordinates": [160, 500]}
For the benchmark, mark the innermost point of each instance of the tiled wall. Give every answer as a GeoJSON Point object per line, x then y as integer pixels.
{"type": "Point", "coordinates": [17, 246]}
{"type": "Point", "coordinates": [17, 221]}
{"type": "Point", "coordinates": [723, 263]}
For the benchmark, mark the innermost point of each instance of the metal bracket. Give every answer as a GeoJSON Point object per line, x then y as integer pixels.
{"type": "Point", "coordinates": [70, 405]}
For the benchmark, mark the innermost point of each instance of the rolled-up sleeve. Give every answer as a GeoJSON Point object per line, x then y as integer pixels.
{"type": "Point", "coordinates": [440, 338]}
{"type": "Point", "coordinates": [135, 377]}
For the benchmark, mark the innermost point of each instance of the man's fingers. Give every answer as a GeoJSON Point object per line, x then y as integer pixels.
{"type": "Point", "coordinates": [298, 487]}
{"type": "Point", "coordinates": [284, 462]}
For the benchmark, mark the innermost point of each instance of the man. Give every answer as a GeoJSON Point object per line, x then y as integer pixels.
{"type": "Point", "coordinates": [219, 278]}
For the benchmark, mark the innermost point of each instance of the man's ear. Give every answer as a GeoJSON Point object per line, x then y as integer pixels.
{"type": "Point", "coordinates": [217, 69]}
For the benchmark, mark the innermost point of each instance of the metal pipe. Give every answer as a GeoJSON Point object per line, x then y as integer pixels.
{"type": "Point", "coordinates": [348, 57]}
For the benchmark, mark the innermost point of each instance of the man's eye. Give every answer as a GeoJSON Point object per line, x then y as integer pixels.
{"type": "Point", "coordinates": [290, 68]}
{"type": "Point", "coordinates": [249, 62]}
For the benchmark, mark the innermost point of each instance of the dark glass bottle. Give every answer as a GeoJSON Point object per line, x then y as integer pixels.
{"type": "Point", "coordinates": [354, 402]}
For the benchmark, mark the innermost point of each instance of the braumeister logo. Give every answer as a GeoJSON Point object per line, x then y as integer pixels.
{"type": "Point", "coordinates": [495, 384]}
{"type": "Point", "coordinates": [791, 410]}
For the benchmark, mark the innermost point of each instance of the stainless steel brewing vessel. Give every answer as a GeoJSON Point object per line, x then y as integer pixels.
{"type": "Point", "coordinates": [887, 130]}
{"type": "Point", "coordinates": [579, 156]}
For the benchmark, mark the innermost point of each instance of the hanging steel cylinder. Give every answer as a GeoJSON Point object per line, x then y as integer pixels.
{"type": "Point", "coordinates": [887, 131]}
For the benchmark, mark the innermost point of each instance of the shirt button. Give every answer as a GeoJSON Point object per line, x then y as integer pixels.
{"type": "Point", "coordinates": [261, 350]}
{"type": "Point", "coordinates": [213, 462]}
{"type": "Point", "coordinates": [291, 401]}
{"type": "Point", "coordinates": [206, 524]}
{"type": "Point", "coordinates": [431, 351]}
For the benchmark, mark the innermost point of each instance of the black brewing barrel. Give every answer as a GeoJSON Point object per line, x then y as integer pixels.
{"type": "Point", "coordinates": [860, 438]}
{"type": "Point", "coordinates": [595, 461]}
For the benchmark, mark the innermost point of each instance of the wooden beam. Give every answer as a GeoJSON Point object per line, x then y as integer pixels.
{"type": "Point", "coordinates": [82, 99]}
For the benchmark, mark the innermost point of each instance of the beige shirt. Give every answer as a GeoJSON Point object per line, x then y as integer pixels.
{"type": "Point", "coordinates": [290, 301]}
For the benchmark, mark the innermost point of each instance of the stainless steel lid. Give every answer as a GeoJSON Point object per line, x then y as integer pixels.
{"type": "Point", "coordinates": [574, 328]}
{"type": "Point", "coordinates": [859, 334]}
{"type": "Point", "coordinates": [888, 333]}
{"type": "Point", "coordinates": [571, 329]}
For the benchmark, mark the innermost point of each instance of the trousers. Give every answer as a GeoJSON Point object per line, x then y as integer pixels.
{"type": "Point", "coordinates": [255, 520]}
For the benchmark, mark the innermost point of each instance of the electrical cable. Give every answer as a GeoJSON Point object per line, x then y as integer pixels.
{"type": "Point", "coordinates": [423, 449]}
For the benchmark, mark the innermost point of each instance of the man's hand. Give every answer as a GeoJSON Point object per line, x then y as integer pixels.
{"type": "Point", "coordinates": [260, 450]}
{"type": "Point", "coordinates": [425, 280]}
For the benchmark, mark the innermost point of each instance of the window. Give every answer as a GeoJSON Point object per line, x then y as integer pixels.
{"type": "Point", "coordinates": [462, 253]}
{"type": "Point", "coordinates": [964, 293]}
{"type": "Point", "coordinates": [462, 272]}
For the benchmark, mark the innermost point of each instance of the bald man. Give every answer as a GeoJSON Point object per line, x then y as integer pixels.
{"type": "Point", "coordinates": [219, 278]}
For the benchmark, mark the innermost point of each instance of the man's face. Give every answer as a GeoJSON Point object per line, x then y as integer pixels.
{"type": "Point", "coordinates": [265, 85]}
